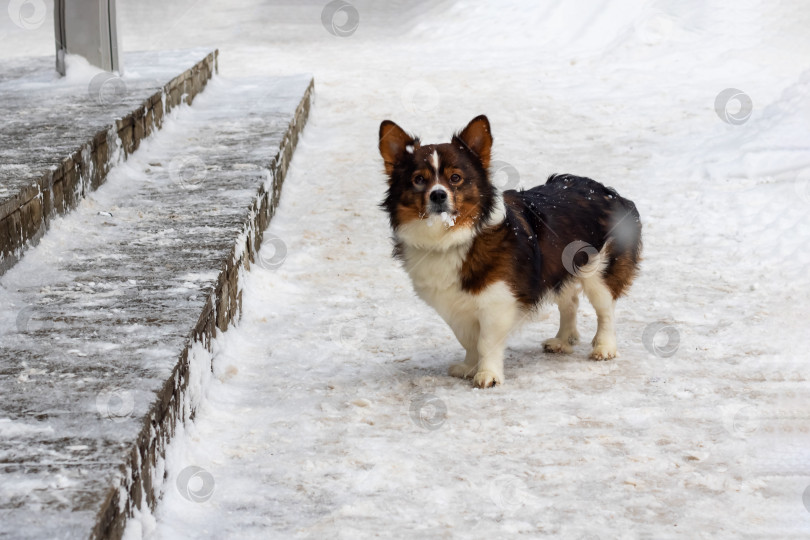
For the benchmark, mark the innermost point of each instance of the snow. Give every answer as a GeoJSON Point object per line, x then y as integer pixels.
{"type": "Point", "coordinates": [329, 412]}
{"type": "Point", "coordinates": [447, 219]}
{"type": "Point", "coordinates": [47, 117]}
{"type": "Point", "coordinates": [78, 71]}
{"type": "Point", "coordinates": [9, 428]}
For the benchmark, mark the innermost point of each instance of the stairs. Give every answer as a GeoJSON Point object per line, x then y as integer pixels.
{"type": "Point", "coordinates": [99, 323]}
{"type": "Point", "coordinates": [60, 137]}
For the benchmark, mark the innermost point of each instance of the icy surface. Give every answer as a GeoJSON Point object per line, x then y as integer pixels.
{"type": "Point", "coordinates": [93, 320]}
{"type": "Point", "coordinates": [47, 118]}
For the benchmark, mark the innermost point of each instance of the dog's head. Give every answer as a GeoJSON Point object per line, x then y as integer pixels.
{"type": "Point", "coordinates": [437, 191]}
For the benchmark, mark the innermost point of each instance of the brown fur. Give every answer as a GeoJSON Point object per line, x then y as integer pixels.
{"type": "Point", "coordinates": [526, 251]}
{"type": "Point", "coordinates": [620, 275]}
{"type": "Point", "coordinates": [471, 198]}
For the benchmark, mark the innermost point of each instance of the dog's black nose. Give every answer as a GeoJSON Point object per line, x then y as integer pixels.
{"type": "Point", "coordinates": [438, 196]}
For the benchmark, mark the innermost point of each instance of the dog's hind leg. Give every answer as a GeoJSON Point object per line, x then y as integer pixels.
{"type": "Point", "coordinates": [567, 335]}
{"type": "Point", "coordinates": [600, 296]}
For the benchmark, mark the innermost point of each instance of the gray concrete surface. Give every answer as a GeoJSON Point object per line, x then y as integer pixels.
{"type": "Point", "coordinates": [61, 135]}
{"type": "Point", "coordinates": [96, 323]}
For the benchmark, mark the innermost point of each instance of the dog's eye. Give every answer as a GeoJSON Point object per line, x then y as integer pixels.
{"type": "Point", "coordinates": [419, 180]}
{"type": "Point", "coordinates": [455, 179]}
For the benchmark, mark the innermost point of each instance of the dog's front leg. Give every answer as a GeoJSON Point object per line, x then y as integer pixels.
{"type": "Point", "coordinates": [467, 368]}
{"type": "Point", "coordinates": [466, 332]}
{"type": "Point", "coordinates": [497, 313]}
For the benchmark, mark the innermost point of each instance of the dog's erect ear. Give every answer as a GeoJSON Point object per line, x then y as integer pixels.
{"type": "Point", "coordinates": [393, 144]}
{"type": "Point", "coordinates": [478, 138]}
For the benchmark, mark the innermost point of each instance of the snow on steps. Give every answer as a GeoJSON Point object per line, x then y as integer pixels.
{"type": "Point", "coordinates": [101, 323]}
{"type": "Point", "coordinates": [60, 137]}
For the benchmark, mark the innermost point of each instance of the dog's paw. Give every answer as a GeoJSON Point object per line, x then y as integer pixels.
{"type": "Point", "coordinates": [487, 379]}
{"type": "Point", "coordinates": [604, 351]}
{"type": "Point", "coordinates": [461, 370]}
{"type": "Point", "coordinates": [556, 345]}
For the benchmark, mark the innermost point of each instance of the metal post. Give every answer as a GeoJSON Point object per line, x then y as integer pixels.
{"type": "Point", "coordinates": [87, 28]}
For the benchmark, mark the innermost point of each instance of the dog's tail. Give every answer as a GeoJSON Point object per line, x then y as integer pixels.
{"type": "Point", "coordinates": [623, 243]}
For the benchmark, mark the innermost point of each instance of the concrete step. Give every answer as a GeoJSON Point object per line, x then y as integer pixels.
{"type": "Point", "coordinates": [61, 136]}
{"type": "Point", "coordinates": [98, 322]}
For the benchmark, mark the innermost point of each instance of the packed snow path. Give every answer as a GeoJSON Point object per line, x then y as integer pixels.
{"type": "Point", "coordinates": [312, 422]}
{"type": "Point", "coordinates": [306, 429]}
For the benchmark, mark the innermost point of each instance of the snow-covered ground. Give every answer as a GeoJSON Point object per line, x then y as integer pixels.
{"type": "Point", "coordinates": [330, 413]}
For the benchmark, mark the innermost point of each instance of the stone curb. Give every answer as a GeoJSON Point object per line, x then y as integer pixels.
{"type": "Point", "coordinates": [222, 308]}
{"type": "Point", "coordinates": [25, 217]}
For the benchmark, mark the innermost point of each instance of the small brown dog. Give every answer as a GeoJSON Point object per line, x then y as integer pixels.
{"type": "Point", "coordinates": [484, 259]}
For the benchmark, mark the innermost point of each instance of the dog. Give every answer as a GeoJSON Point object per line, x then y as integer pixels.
{"type": "Point", "coordinates": [486, 260]}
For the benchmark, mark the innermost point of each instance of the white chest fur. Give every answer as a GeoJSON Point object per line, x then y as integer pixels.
{"type": "Point", "coordinates": [436, 277]}
{"type": "Point", "coordinates": [433, 258]}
